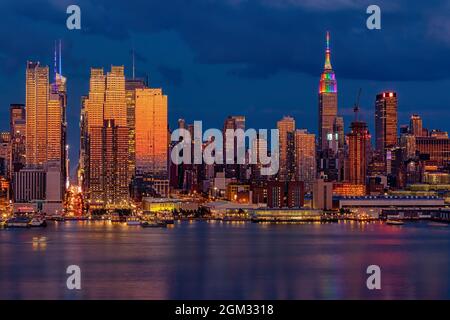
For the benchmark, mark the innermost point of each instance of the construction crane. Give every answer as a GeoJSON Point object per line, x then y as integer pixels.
{"type": "Point", "coordinates": [356, 106]}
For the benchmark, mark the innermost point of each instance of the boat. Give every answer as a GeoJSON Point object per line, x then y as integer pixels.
{"type": "Point", "coordinates": [38, 222]}
{"type": "Point", "coordinates": [395, 222]}
{"type": "Point", "coordinates": [133, 221]}
{"type": "Point", "coordinates": [18, 222]}
{"type": "Point", "coordinates": [153, 224]}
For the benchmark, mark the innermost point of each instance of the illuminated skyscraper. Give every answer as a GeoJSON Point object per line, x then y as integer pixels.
{"type": "Point", "coordinates": [130, 88]}
{"type": "Point", "coordinates": [328, 102]}
{"type": "Point", "coordinates": [416, 125]}
{"type": "Point", "coordinates": [386, 125]}
{"type": "Point", "coordinates": [358, 141]}
{"type": "Point", "coordinates": [107, 134]}
{"type": "Point", "coordinates": [286, 128]}
{"type": "Point", "coordinates": [305, 155]}
{"type": "Point", "coordinates": [151, 132]}
{"type": "Point", "coordinates": [17, 130]}
{"type": "Point", "coordinates": [37, 94]}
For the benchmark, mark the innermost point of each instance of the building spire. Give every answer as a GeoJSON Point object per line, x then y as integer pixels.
{"type": "Point", "coordinates": [328, 53]}
{"type": "Point", "coordinates": [60, 58]}
{"type": "Point", "coordinates": [55, 69]}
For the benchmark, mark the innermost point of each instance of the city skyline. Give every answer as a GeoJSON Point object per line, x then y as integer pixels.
{"type": "Point", "coordinates": [169, 58]}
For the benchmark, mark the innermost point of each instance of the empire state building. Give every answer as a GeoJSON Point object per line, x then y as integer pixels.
{"type": "Point", "coordinates": [327, 103]}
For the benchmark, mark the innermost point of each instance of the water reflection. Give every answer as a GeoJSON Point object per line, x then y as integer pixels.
{"type": "Point", "coordinates": [216, 260]}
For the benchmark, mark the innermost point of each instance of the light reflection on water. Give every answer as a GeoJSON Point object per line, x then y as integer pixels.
{"type": "Point", "coordinates": [222, 260]}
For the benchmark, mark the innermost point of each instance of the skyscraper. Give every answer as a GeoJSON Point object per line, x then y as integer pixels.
{"type": "Point", "coordinates": [232, 170]}
{"type": "Point", "coordinates": [305, 155]}
{"type": "Point", "coordinates": [386, 123]}
{"type": "Point", "coordinates": [328, 102]}
{"type": "Point", "coordinates": [152, 140]}
{"type": "Point", "coordinates": [286, 128]}
{"type": "Point", "coordinates": [37, 94]}
{"type": "Point", "coordinates": [358, 140]}
{"type": "Point", "coordinates": [107, 134]}
{"type": "Point", "coordinates": [17, 130]}
{"type": "Point", "coordinates": [130, 87]}
{"type": "Point", "coordinates": [416, 126]}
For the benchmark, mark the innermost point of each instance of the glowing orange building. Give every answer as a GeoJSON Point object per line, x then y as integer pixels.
{"type": "Point", "coordinates": [37, 94]}
{"type": "Point", "coordinates": [358, 141]}
{"type": "Point", "coordinates": [151, 132]}
{"type": "Point", "coordinates": [107, 134]}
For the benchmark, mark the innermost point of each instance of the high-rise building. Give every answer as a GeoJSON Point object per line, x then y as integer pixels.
{"type": "Point", "coordinates": [358, 139]}
{"type": "Point", "coordinates": [151, 132]}
{"type": "Point", "coordinates": [130, 88]}
{"type": "Point", "coordinates": [435, 149]}
{"type": "Point", "coordinates": [17, 130]}
{"type": "Point", "coordinates": [305, 154]}
{"type": "Point", "coordinates": [386, 123]}
{"type": "Point", "coordinates": [37, 94]}
{"type": "Point", "coordinates": [416, 126]}
{"type": "Point", "coordinates": [152, 140]}
{"type": "Point", "coordinates": [328, 102]}
{"type": "Point", "coordinates": [286, 128]}
{"type": "Point", "coordinates": [233, 170]}
{"type": "Point", "coordinates": [46, 125]}
{"type": "Point", "coordinates": [107, 134]}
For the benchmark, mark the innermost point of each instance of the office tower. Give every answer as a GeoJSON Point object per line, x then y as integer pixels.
{"type": "Point", "coordinates": [37, 94]}
{"type": "Point", "coordinates": [130, 88]}
{"type": "Point", "coordinates": [328, 103]}
{"type": "Point", "coordinates": [233, 170]}
{"type": "Point", "coordinates": [286, 127]}
{"type": "Point", "coordinates": [29, 185]}
{"type": "Point", "coordinates": [46, 122]}
{"type": "Point", "coordinates": [386, 121]}
{"type": "Point", "coordinates": [17, 130]}
{"type": "Point", "coordinates": [305, 154]}
{"type": "Point", "coordinates": [416, 126]}
{"type": "Point", "coordinates": [358, 139]}
{"type": "Point", "coordinates": [152, 139]}
{"type": "Point", "coordinates": [151, 132]}
{"type": "Point", "coordinates": [107, 134]}
{"type": "Point", "coordinates": [434, 149]}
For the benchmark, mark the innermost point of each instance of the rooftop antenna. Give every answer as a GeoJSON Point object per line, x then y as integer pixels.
{"type": "Point", "coordinates": [356, 106]}
{"type": "Point", "coordinates": [60, 58]}
{"type": "Point", "coordinates": [55, 69]}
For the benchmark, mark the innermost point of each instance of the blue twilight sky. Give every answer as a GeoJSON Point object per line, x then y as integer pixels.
{"type": "Point", "coordinates": [259, 58]}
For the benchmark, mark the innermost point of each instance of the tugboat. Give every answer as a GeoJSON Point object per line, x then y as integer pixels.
{"type": "Point", "coordinates": [18, 222]}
